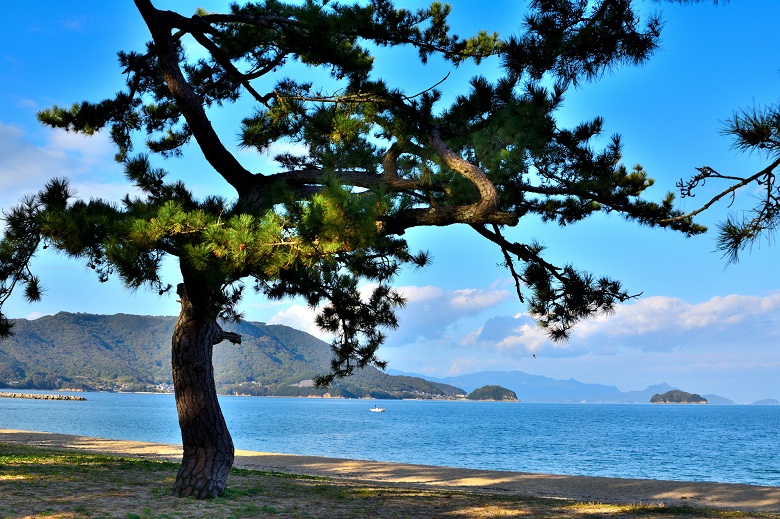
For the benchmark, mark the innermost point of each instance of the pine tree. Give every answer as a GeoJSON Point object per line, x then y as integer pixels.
{"type": "Point", "coordinates": [755, 130]}
{"type": "Point", "coordinates": [378, 161]}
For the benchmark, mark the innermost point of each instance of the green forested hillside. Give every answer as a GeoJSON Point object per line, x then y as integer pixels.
{"type": "Point", "coordinates": [132, 353]}
{"type": "Point", "coordinates": [676, 396]}
{"type": "Point", "coordinates": [89, 351]}
{"type": "Point", "coordinates": [493, 393]}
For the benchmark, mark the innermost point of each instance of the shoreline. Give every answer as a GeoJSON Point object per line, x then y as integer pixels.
{"type": "Point", "coordinates": [749, 498]}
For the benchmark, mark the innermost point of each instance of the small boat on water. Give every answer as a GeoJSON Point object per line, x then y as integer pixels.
{"type": "Point", "coordinates": [377, 409]}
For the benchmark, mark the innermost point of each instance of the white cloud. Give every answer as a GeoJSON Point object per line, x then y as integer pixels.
{"type": "Point", "coordinates": [529, 337]}
{"type": "Point", "coordinates": [715, 346]}
{"type": "Point", "coordinates": [108, 191]}
{"type": "Point", "coordinates": [461, 365]}
{"type": "Point", "coordinates": [414, 294]}
{"type": "Point", "coordinates": [651, 324]}
{"type": "Point", "coordinates": [28, 104]}
{"type": "Point", "coordinates": [473, 300]}
{"type": "Point", "coordinates": [431, 312]}
{"type": "Point", "coordinates": [264, 162]}
{"type": "Point", "coordinates": [87, 150]}
{"type": "Point", "coordinates": [301, 318]}
{"type": "Point", "coordinates": [735, 308]}
{"type": "Point", "coordinates": [26, 166]}
{"type": "Point", "coordinates": [472, 338]}
{"type": "Point", "coordinates": [76, 24]}
{"type": "Point", "coordinates": [668, 315]}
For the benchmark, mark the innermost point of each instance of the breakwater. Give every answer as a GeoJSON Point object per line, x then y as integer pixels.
{"type": "Point", "coordinates": [32, 396]}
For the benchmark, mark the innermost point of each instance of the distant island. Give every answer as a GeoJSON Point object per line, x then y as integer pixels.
{"type": "Point", "coordinates": [493, 394]}
{"type": "Point", "coordinates": [676, 396]}
{"type": "Point", "coordinates": [767, 401]}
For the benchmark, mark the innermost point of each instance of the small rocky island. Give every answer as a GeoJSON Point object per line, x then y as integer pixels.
{"type": "Point", "coordinates": [675, 396]}
{"type": "Point", "coordinates": [493, 394]}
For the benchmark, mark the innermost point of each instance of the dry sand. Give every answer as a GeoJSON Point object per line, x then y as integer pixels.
{"type": "Point", "coordinates": [579, 488]}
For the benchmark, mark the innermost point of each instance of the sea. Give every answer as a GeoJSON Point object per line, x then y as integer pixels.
{"type": "Point", "coordinates": [721, 443]}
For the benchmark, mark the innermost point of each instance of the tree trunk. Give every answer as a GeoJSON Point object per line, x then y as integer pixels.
{"type": "Point", "coordinates": [208, 447]}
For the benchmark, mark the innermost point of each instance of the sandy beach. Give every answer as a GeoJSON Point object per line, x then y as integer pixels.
{"type": "Point", "coordinates": [579, 488]}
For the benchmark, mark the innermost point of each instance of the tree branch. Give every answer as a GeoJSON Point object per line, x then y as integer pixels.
{"type": "Point", "coordinates": [197, 29]}
{"type": "Point", "coordinates": [265, 21]}
{"type": "Point", "coordinates": [442, 216]}
{"type": "Point", "coordinates": [766, 171]}
{"type": "Point", "coordinates": [487, 191]}
{"type": "Point", "coordinates": [233, 337]}
{"type": "Point", "coordinates": [188, 101]}
{"type": "Point", "coordinates": [349, 178]}
{"type": "Point", "coordinates": [519, 250]}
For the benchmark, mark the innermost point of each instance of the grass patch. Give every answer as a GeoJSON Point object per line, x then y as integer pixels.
{"type": "Point", "coordinates": [40, 482]}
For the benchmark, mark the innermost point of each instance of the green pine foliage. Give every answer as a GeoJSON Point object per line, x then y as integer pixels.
{"type": "Point", "coordinates": [376, 160]}
{"type": "Point", "coordinates": [756, 131]}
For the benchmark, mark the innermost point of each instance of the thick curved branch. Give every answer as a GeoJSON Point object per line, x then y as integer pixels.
{"type": "Point", "coordinates": [390, 161]}
{"type": "Point", "coordinates": [168, 248]}
{"type": "Point", "coordinates": [442, 216]}
{"type": "Point", "coordinates": [223, 60]}
{"type": "Point", "coordinates": [487, 191]}
{"type": "Point", "coordinates": [233, 337]}
{"type": "Point", "coordinates": [199, 30]}
{"type": "Point", "coordinates": [188, 101]}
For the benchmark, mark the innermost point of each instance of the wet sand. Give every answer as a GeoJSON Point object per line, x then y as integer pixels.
{"type": "Point", "coordinates": [579, 488]}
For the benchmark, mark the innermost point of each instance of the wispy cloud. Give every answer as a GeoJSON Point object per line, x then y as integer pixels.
{"type": "Point", "coordinates": [651, 324]}
{"type": "Point", "coordinates": [300, 317]}
{"type": "Point", "coordinates": [76, 24]}
{"type": "Point", "coordinates": [446, 318]}
{"type": "Point", "coordinates": [429, 313]}
{"type": "Point", "coordinates": [25, 165]}
{"type": "Point", "coordinates": [726, 345]}
{"type": "Point", "coordinates": [655, 314]}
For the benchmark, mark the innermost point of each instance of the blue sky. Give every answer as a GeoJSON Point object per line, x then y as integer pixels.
{"type": "Point", "coordinates": [699, 325]}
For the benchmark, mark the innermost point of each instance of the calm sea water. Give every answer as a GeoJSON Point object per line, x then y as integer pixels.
{"type": "Point", "coordinates": [732, 444]}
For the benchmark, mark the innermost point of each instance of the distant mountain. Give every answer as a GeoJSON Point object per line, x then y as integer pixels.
{"type": "Point", "coordinates": [132, 353]}
{"type": "Point", "coordinates": [530, 388]}
{"type": "Point", "coordinates": [718, 400]}
{"type": "Point", "coordinates": [643, 396]}
{"type": "Point", "coordinates": [537, 388]}
{"type": "Point", "coordinates": [766, 401]}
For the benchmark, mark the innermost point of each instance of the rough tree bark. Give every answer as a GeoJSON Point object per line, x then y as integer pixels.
{"type": "Point", "coordinates": [208, 447]}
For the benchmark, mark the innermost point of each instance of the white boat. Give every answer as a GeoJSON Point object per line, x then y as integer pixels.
{"type": "Point", "coordinates": [377, 409]}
